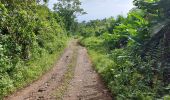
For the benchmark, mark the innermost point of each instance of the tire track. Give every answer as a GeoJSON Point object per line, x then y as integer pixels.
{"type": "Point", "coordinates": [87, 84]}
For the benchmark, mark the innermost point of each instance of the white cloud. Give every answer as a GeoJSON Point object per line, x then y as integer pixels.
{"type": "Point", "coordinates": [99, 9]}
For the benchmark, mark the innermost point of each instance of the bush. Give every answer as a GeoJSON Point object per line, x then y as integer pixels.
{"type": "Point", "coordinates": [127, 75]}
{"type": "Point", "coordinates": [31, 38]}
{"type": "Point", "coordinates": [92, 43]}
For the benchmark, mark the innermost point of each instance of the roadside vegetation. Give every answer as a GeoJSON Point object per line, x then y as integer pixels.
{"type": "Point", "coordinates": [32, 37]}
{"type": "Point", "coordinates": [129, 52]}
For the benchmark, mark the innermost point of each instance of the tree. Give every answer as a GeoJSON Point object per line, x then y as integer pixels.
{"type": "Point", "coordinates": [155, 9]}
{"type": "Point", "coordinates": [68, 10]}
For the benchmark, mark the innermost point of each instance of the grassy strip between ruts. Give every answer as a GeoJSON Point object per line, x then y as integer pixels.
{"type": "Point", "coordinates": [67, 76]}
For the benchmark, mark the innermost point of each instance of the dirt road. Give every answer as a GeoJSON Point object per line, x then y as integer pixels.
{"type": "Point", "coordinates": [72, 78]}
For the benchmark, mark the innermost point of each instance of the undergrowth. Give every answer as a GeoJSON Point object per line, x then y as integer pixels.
{"type": "Point", "coordinates": [127, 75]}
{"type": "Point", "coordinates": [25, 73]}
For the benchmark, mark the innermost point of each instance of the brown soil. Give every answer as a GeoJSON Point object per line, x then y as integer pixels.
{"type": "Point", "coordinates": [85, 84]}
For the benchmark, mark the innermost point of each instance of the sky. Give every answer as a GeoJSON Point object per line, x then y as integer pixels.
{"type": "Point", "coordinates": [100, 9]}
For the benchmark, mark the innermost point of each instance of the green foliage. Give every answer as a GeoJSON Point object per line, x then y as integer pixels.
{"type": "Point", "coordinates": [166, 97]}
{"type": "Point", "coordinates": [68, 9]}
{"type": "Point", "coordinates": [92, 42]}
{"type": "Point", "coordinates": [131, 77]}
{"type": "Point", "coordinates": [115, 47]}
{"type": "Point", "coordinates": [94, 27]}
{"type": "Point", "coordinates": [121, 32]}
{"type": "Point", "coordinates": [31, 38]}
{"type": "Point", "coordinates": [127, 75]}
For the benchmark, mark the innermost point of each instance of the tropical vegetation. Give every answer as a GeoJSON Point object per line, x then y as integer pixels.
{"type": "Point", "coordinates": [131, 53]}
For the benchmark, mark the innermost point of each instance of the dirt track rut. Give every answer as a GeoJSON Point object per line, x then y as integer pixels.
{"type": "Point", "coordinates": [85, 84]}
